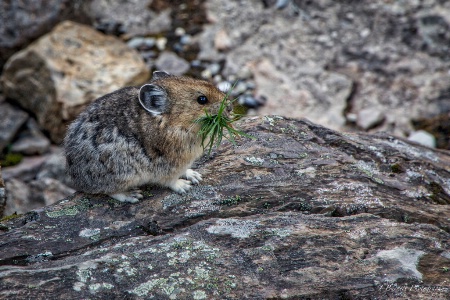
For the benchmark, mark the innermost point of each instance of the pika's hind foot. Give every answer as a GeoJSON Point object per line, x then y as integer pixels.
{"type": "Point", "coordinates": [193, 176]}
{"type": "Point", "coordinates": [131, 196]}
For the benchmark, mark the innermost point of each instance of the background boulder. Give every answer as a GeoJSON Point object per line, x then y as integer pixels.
{"type": "Point", "coordinates": [25, 21]}
{"type": "Point", "coordinates": [332, 61]}
{"type": "Point", "coordinates": [63, 71]}
{"type": "Point", "coordinates": [12, 118]}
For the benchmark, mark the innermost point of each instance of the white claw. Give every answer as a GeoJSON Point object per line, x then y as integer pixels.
{"type": "Point", "coordinates": [137, 194]}
{"type": "Point", "coordinates": [131, 197]}
{"type": "Point", "coordinates": [193, 176]}
{"type": "Point", "coordinates": [181, 186]}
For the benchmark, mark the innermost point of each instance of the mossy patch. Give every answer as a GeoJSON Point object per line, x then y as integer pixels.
{"type": "Point", "coordinates": [397, 168]}
{"type": "Point", "coordinates": [11, 217]}
{"type": "Point", "coordinates": [370, 170]}
{"type": "Point", "coordinates": [199, 281]}
{"type": "Point", "coordinates": [11, 159]}
{"type": "Point", "coordinates": [73, 210]}
{"type": "Point", "coordinates": [229, 201]}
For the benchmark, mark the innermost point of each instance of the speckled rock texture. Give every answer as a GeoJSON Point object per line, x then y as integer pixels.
{"type": "Point", "coordinates": [66, 69]}
{"type": "Point", "coordinates": [327, 60]}
{"type": "Point", "coordinates": [2, 193]}
{"type": "Point", "coordinates": [299, 212]}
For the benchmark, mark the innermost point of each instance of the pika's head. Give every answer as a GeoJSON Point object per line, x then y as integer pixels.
{"type": "Point", "coordinates": [179, 100]}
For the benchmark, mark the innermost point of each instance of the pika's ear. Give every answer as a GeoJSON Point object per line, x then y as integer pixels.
{"type": "Point", "coordinates": [160, 75]}
{"type": "Point", "coordinates": [153, 99]}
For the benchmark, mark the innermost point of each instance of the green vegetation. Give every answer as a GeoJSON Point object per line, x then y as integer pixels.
{"type": "Point", "coordinates": [397, 168]}
{"type": "Point", "coordinates": [213, 127]}
{"type": "Point", "coordinates": [10, 217]}
{"type": "Point", "coordinates": [11, 159]}
{"type": "Point", "coordinates": [230, 201]}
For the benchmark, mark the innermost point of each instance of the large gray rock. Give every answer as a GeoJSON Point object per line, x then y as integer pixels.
{"type": "Point", "coordinates": [133, 17]}
{"type": "Point", "coordinates": [172, 64]}
{"type": "Point", "coordinates": [12, 118]}
{"type": "Point", "coordinates": [26, 20]}
{"type": "Point", "coordinates": [301, 211]}
{"type": "Point", "coordinates": [63, 71]}
{"type": "Point", "coordinates": [324, 59]}
{"type": "Point", "coordinates": [31, 140]}
{"type": "Point", "coordinates": [19, 198]}
{"type": "Point", "coordinates": [37, 181]}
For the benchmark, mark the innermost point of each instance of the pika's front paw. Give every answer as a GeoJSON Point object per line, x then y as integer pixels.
{"type": "Point", "coordinates": [181, 186]}
{"type": "Point", "coordinates": [131, 197]}
{"type": "Point", "coordinates": [193, 176]}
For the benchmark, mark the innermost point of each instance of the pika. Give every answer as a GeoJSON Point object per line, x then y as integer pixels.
{"type": "Point", "coordinates": [140, 135]}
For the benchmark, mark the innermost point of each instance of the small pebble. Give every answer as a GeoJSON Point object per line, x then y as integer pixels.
{"type": "Point", "coordinates": [172, 63]}
{"type": "Point", "coordinates": [244, 73]}
{"type": "Point", "coordinates": [250, 101]}
{"type": "Point", "coordinates": [222, 41]}
{"type": "Point", "coordinates": [240, 88]}
{"type": "Point", "coordinates": [251, 85]}
{"type": "Point", "coordinates": [232, 78]}
{"type": "Point", "coordinates": [224, 86]}
{"type": "Point", "coordinates": [282, 4]}
{"type": "Point", "coordinates": [149, 54]}
{"type": "Point", "coordinates": [186, 39]}
{"type": "Point", "coordinates": [206, 73]}
{"type": "Point", "coordinates": [370, 117]}
{"type": "Point", "coordinates": [352, 117]}
{"type": "Point", "coordinates": [214, 68]}
{"type": "Point", "coordinates": [365, 33]}
{"type": "Point", "coordinates": [179, 31]}
{"type": "Point", "coordinates": [178, 47]}
{"type": "Point", "coordinates": [140, 42]}
{"type": "Point", "coordinates": [161, 43]}
{"type": "Point", "coordinates": [424, 138]}
{"type": "Point", "coordinates": [196, 63]}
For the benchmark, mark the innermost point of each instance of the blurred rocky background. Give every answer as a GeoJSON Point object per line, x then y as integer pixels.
{"type": "Point", "coordinates": [349, 65]}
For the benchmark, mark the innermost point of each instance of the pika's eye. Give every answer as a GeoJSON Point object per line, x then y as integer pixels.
{"type": "Point", "coordinates": [202, 100]}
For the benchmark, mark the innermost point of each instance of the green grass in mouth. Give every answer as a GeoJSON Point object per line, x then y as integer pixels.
{"type": "Point", "coordinates": [214, 127]}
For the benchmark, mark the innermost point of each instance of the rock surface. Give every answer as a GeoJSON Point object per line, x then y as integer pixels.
{"type": "Point", "coordinates": [323, 59]}
{"type": "Point", "coordinates": [24, 196]}
{"type": "Point", "coordinates": [172, 64]}
{"type": "Point", "coordinates": [133, 17]}
{"type": "Point", "coordinates": [31, 141]}
{"type": "Point", "coordinates": [299, 212]}
{"type": "Point", "coordinates": [63, 71]}
{"type": "Point", "coordinates": [37, 181]}
{"type": "Point", "coordinates": [2, 194]}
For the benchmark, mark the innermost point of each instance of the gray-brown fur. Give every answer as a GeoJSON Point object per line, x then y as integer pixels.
{"type": "Point", "coordinates": [119, 142]}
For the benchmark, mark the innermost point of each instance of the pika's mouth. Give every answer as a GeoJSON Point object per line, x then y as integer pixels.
{"type": "Point", "coordinates": [215, 126]}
